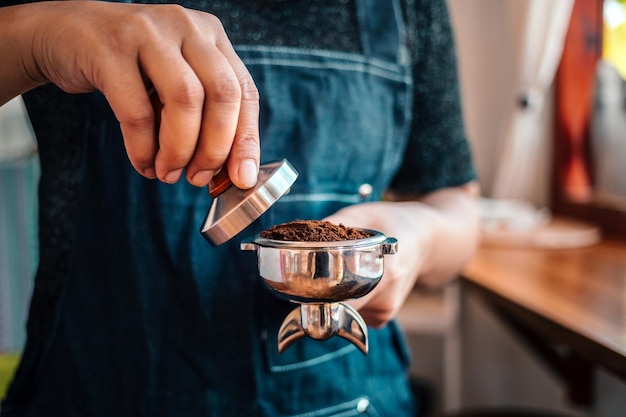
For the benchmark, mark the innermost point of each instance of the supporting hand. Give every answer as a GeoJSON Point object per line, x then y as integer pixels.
{"type": "Point", "coordinates": [436, 236]}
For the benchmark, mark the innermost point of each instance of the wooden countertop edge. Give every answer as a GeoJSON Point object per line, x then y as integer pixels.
{"type": "Point", "coordinates": [494, 279]}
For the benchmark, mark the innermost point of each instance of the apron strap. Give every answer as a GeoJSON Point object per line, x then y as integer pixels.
{"type": "Point", "coordinates": [382, 29]}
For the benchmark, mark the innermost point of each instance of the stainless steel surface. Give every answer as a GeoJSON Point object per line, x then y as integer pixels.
{"type": "Point", "coordinates": [322, 321]}
{"type": "Point", "coordinates": [321, 271]}
{"type": "Point", "coordinates": [320, 275]}
{"type": "Point", "coordinates": [234, 209]}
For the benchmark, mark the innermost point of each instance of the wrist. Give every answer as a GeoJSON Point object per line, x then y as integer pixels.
{"type": "Point", "coordinates": [19, 68]}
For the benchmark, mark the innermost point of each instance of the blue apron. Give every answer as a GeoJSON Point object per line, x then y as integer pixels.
{"type": "Point", "coordinates": [153, 321]}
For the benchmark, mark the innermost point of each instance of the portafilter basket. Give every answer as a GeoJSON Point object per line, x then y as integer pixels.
{"type": "Point", "coordinates": [320, 276]}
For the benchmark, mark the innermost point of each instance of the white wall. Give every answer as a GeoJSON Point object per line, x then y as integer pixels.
{"type": "Point", "coordinates": [485, 39]}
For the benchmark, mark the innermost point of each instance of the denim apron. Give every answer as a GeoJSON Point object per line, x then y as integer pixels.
{"type": "Point", "coordinates": [153, 321]}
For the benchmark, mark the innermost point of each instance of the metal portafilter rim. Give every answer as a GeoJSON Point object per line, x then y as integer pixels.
{"type": "Point", "coordinates": [375, 238]}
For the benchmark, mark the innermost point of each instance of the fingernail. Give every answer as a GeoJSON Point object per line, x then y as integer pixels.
{"type": "Point", "coordinates": [248, 172]}
{"type": "Point", "coordinates": [202, 178]}
{"type": "Point", "coordinates": [173, 176]}
{"type": "Point", "coordinates": [149, 173]}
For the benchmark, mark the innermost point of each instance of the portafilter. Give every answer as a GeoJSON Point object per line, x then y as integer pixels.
{"type": "Point", "coordinates": [320, 276]}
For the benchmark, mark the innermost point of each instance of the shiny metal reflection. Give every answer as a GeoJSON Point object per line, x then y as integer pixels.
{"type": "Point", "coordinates": [319, 276]}
{"type": "Point", "coordinates": [234, 209]}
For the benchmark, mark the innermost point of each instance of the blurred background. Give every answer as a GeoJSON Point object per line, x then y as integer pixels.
{"type": "Point", "coordinates": [19, 175]}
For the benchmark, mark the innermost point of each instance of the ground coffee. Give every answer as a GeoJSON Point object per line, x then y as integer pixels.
{"type": "Point", "coordinates": [313, 231]}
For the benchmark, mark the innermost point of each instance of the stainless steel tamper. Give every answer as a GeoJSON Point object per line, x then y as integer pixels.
{"type": "Point", "coordinates": [320, 276]}
{"type": "Point", "coordinates": [234, 209]}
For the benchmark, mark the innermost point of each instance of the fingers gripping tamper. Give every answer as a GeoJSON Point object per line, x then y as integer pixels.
{"type": "Point", "coordinates": [234, 209]}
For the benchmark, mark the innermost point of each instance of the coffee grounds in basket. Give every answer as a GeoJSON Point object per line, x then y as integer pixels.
{"type": "Point", "coordinates": [313, 231]}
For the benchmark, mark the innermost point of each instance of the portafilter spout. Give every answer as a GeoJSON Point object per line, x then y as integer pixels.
{"type": "Point", "coordinates": [321, 321]}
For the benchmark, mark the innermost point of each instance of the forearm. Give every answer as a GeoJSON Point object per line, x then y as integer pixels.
{"type": "Point", "coordinates": [18, 69]}
{"type": "Point", "coordinates": [448, 225]}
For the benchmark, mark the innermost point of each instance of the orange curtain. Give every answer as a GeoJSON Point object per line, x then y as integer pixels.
{"type": "Point", "coordinates": [575, 84]}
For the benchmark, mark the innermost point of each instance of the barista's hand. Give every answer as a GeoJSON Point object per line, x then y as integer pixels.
{"type": "Point", "coordinates": [436, 237]}
{"type": "Point", "coordinates": [205, 111]}
{"type": "Point", "coordinates": [400, 270]}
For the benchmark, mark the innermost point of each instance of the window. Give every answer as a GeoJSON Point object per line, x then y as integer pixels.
{"type": "Point", "coordinates": [589, 180]}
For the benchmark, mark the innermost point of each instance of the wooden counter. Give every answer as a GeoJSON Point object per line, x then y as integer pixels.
{"type": "Point", "coordinates": [569, 304]}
